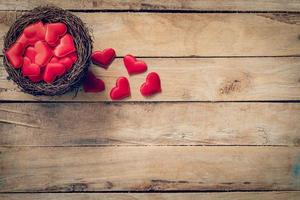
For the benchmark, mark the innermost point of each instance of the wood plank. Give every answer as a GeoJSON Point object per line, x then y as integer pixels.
{"type": "Point", "coordinates": [194, 5]}
{"type": "Point", "coordinates": [193, 34]}
{"type": "Point", "coordinates": [198, 79]}
{"type": "Point", "coordinates": [294, 195]}
{"type": "Point", "coordinates": [146, 168]}
{"type": "Point", "coordinates": [207, 34]}
{"type": "Point", "coordinates": [6, 19]}
{"type": "Point", "coordinates": [82, 124]}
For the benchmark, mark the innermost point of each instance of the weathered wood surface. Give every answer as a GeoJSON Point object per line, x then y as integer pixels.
{"type": "Point", "coordinates": [6, 19]}
{"type": "Point", "coordinates": [198, 79]}
{"type": "Point", "coordinates": [293, 195]}
{"type": "Point", "coordinates": [190, 34]}
{"type": "Point", "coordinates": [191, 5]}
{"type": "Point", "coordinates": [148, 168]}
{"type": "Point", "coordinates": [82, 124]}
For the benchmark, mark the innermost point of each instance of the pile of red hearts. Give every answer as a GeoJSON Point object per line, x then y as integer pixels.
{"type": "Point", "coordinates": [104, 58]}
{"type": "Point", "coordinates": [43, 52]}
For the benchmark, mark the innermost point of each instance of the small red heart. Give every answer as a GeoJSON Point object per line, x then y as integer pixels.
{"type": "Point", "coordinates": [32, 34]}
{"type": "Point", "coordinates": [67, 61]}
{"type": "Point", "coordinates": [30, 69]}
{"type": "Point", "coordinates": [43, 53]}
{"type": "Point", "coordinates": [36, 79]}
{"type": "Point", "coordinates": [103, 58]}
{"type": "Point", "coordinates": [52, 71]}
{"type": "Point", "coordinates": [15, 54]}
{"type": "Point", "coordinates": [93, 84]}
{"type": "Point", "coordinates": [30, 53]}
{"type": "Point", "coordinates": [122, 89]}
{"type": "Point", "coordinates": [152, 85]}
{"type": "Point", "coordinates": [54, 31]}
{"type": "Point", "coordinates": [133, 65]}
{"type": "Point", "coordinates": [65, 46]}
{"type": "Point", "coordinates": [73, 56]}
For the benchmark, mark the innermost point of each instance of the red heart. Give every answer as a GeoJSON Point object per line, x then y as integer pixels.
{"type": "Point", "coordinates": [30, 53]}
{"type": "Point", "coordinates": [14, 54]}
{"type": "Point", "coordinates": [52, 71]}
{"type": "Point", "coordinates": [65, 47]}
{"type": "Point", "coordinates": [30, 69]}
{"type": "Point", "coordinates": [93, 84]}
{"type": "Point", "coordinates": [36, 79]}
{"type": "Point", "coordinates": [152, 85]}
{"type": "Point", "coordinates": [103, 58]}
{"type": "Point", "coordinates": [54, 31]}
{"type": "Point", "coordinates": [67, 61]}
{"type": "Point", "coordinates": [44, 53]}
{"type": "Point", "coordinates": [73, 56]}
{"type": "Point", "coordinates": [122, 89]}
{"type": "Point", "coordinates": [32, 34]}
{"type": "Point", "coordinates": [134, 66]}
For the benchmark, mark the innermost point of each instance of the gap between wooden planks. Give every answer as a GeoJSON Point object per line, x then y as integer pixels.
{"type": "Point", "coordinates": [190, 34]}
{"type": "Point", "coordinates": [158, 5]}
{"type": "Point", "coordinates": [290, 195]}
{"type": "Point", "coordinates": [98, 124]}
{"type": "Point", "coordinates": [186, 79]}
{"type": "Point", "coordinates": [156, 168]}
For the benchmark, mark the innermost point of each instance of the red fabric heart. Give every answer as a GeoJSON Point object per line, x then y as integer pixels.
{"type": "Point", "coordinates": [30, 53]}
{"type": "Point", "coordinates": [52, 71]}
{"type": "Point", "coordinates": [73, 56]}
{"type": "Point", "coordinates": [36, 79]}
{"type": "Point", "coordinates": [54, 31]}
{"type": "Point", "coordinates": [30, 69]}
{"type": "Point", "coordinates": [152, 85]}
{"type": "Point", "coordinates": [103, 58]}
{"type": "Point", "coordinates": [43, 53]}
{"type": "Point", "coordinates": [133, 65]}
{"type": "Point", "coordinates": [32, 34]}
{"type": "Point", "coordinates": [122, 89]}
{"type": "Point", "coordinates": [65, 47]}
{"type": "Point", "coordinates": [14, 54]}
{"type": "Point", "coordinates": [93, 84]}
{"type": "Point", "coordinates": [67, 61]}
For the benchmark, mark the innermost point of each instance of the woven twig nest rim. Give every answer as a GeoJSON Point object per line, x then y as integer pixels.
{"type": "Point", "coordinates": [83, 43]}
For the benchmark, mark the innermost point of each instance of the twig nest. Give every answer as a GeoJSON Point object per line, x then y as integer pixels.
{"type": "Point", "coordinates": [82, 41]}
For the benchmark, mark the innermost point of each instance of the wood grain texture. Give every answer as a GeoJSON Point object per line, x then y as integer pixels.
{"type": "Point", "coordinates": [82, 124]}
{"type": "Point", "coordinates": [190, 34]}
{"type": "Point", "coordinates": [159, 168]}
{"type": "Point", "coordinates": [198, 79]}
{"type": "Point", "coordinates": [156, 196]}
{"type": "Point", "coordinates": [6, 19]}
{"type": "Point", "coordinates": [194, 5]}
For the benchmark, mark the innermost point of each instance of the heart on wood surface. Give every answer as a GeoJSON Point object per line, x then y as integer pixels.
{"type": "Point", "coordinates": [133, 65]}
{"type": "Point", "coordinates": [121, 90]}
{"type": "Point", "coordinates": [152, 85]}
{"type": "Point", "coordinates": [103, 58]}
{"type": "Point", "coordinates": [93, 84]}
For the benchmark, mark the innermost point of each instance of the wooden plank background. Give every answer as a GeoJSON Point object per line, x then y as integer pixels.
{"type": "Point", "coordinates": [197, 79]}
{"type": "Point", "coordinates": [57, 124]}
{"type": "Point", "coordinates": [227, 119]}
{"type": "Point", "coordinates": [188, 5]}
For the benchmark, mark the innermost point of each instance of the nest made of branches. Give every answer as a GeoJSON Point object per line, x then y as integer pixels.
{"type": "Point", "coordinates": [83, 43]}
